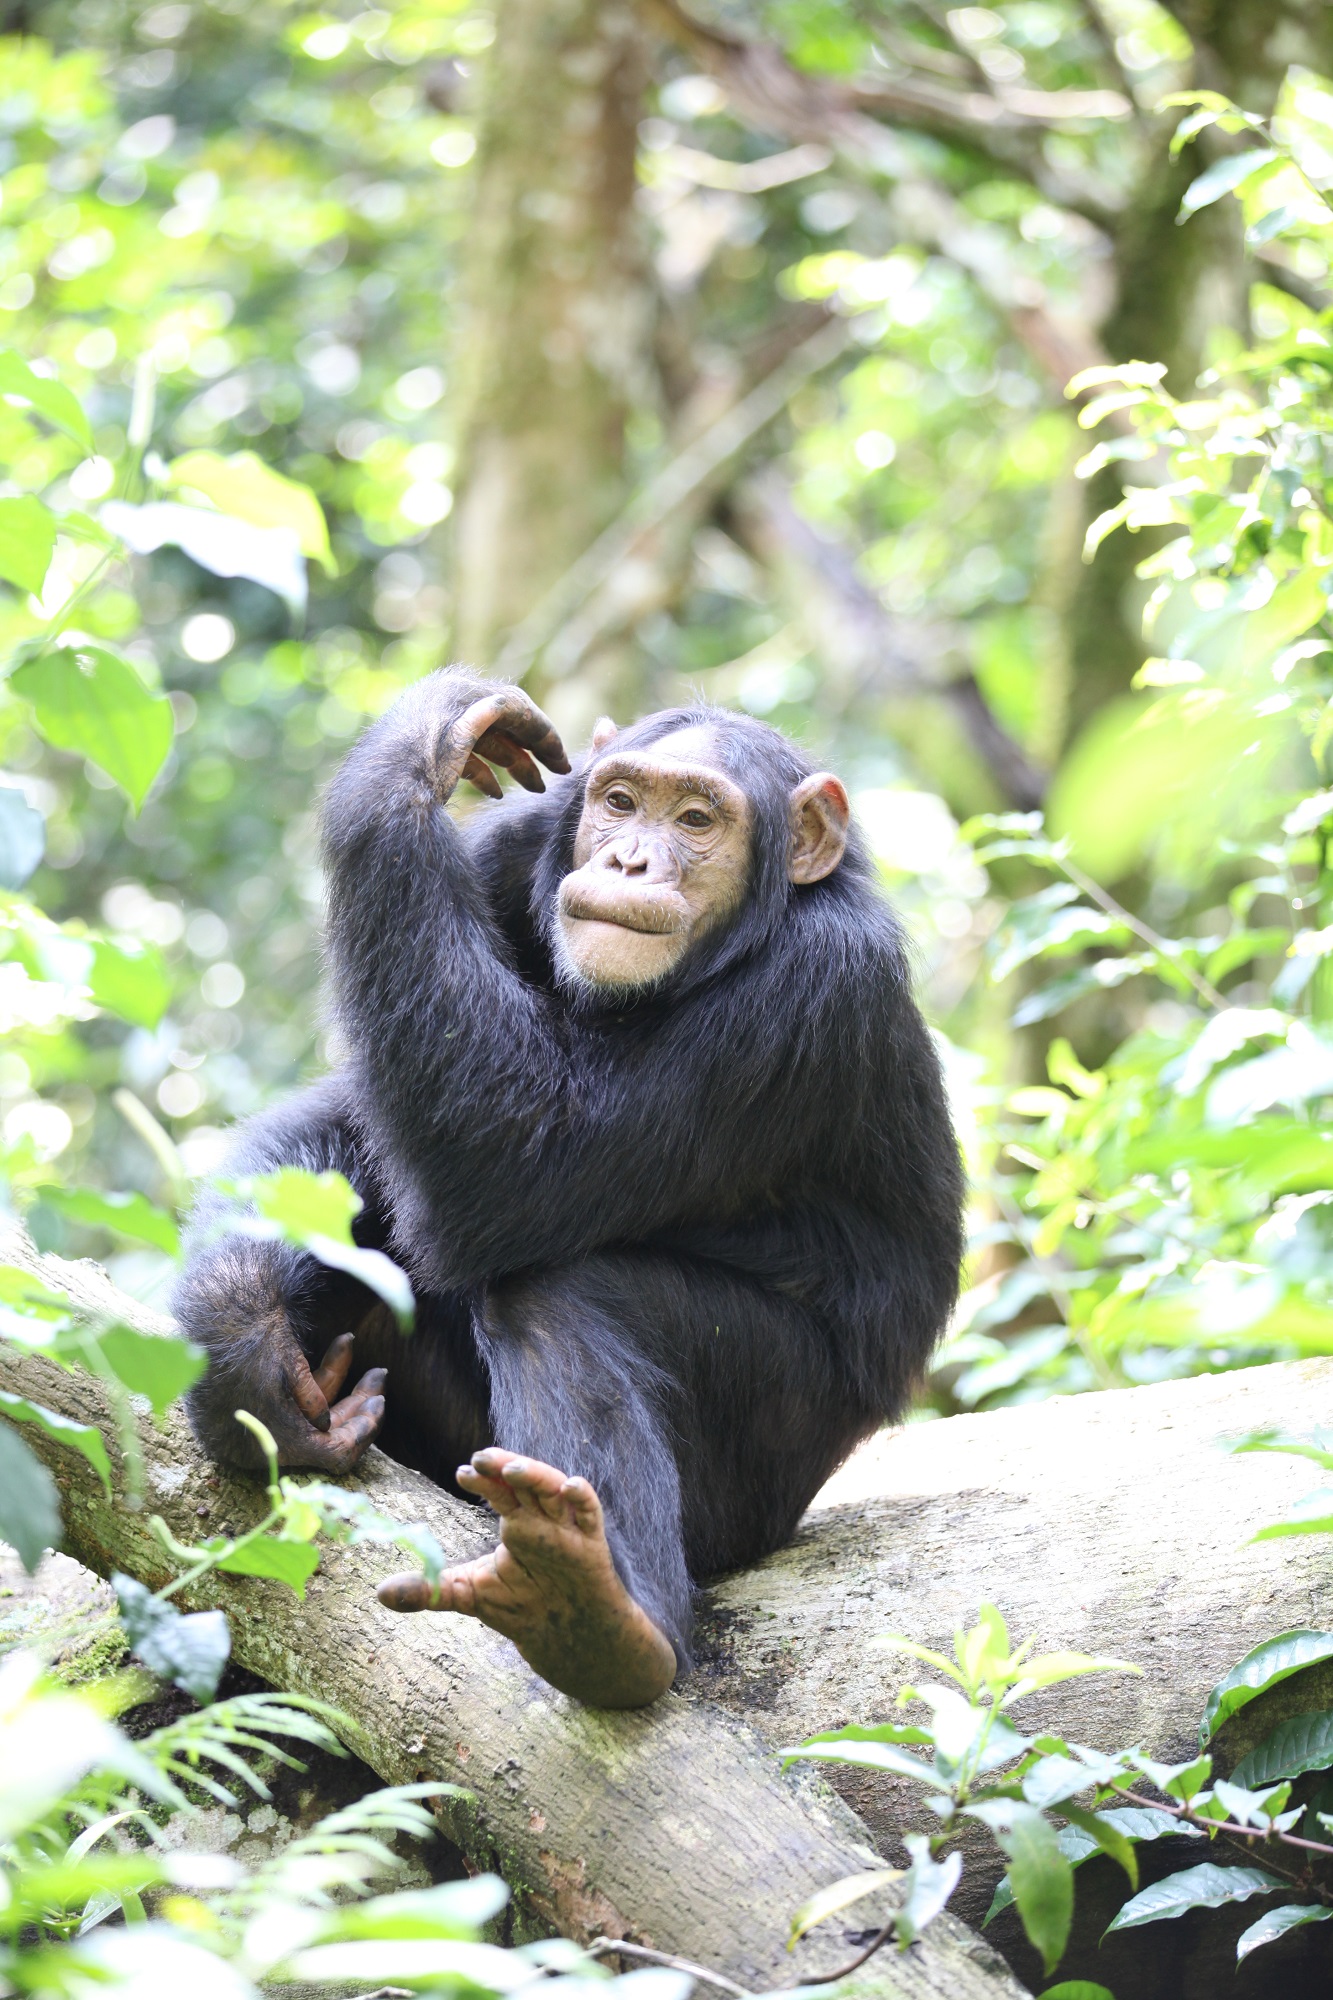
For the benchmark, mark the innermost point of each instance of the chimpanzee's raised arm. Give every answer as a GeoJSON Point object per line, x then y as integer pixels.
{"type": "Point", "coordinates": [465, 1077]}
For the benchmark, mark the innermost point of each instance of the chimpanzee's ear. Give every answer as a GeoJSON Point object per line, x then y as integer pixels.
{"type": "Point", "coordinates": [602, 732]}
{"type": "Point", "coordinates": [820, 813]}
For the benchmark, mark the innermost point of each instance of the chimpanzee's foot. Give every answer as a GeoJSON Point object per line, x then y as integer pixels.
{"type": "Point", "coordinates": [551, 1586]}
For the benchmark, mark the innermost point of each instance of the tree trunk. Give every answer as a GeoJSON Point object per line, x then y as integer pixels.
{"type": "Point", "coordinates": [553, 350]}
{"type": "Point", "coordinates": [671, 1826]}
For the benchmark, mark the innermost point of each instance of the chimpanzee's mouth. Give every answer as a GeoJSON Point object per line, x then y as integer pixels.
{"type": "Point", "coordinates": [650, 919]}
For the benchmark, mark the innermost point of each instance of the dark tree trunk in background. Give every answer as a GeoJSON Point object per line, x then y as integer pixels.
{"type": "Point", "coordinates": [1175, 287]}
{"type": "Point", "coordinates": [552, 350]}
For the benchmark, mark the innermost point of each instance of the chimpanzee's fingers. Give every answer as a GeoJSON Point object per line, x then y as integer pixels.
{"type": "Point", "coordinates": [540, 1487]}
{"type": "Point", "coordinates": [499, 1497]}
{"type": "Point", "coordinates": [455, 1591]}
{"type": "Point", "coordinates": [309, 1398]}
{"type": "Point", "coordinates": [483, 777]}
{"type": "Point", "coordinates": [371, 1385]}
{"type": "Point", "coordinates": [347, 1442]}
{"type": "Point", "coordinates": [583, 1504]}
{"type": "Point", "coordinates": [407, 1593]}
{"type": "Point", "coordinates": [503, 750]}
{"type": "Point", "coordinates": [332, 1370]}
{"type": "Point", "coordinates": [518, 716]}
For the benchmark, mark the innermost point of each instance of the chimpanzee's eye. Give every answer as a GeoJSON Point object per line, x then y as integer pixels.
{"type": "Point", "coordinates": [696, 819]}
{"type": "Point", "coordinates": [620, 801]}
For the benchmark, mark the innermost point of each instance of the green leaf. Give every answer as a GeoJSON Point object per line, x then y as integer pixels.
{"type": "Point", "coordinates": [838, 1896]}
{"type": "Point", "coordinates": [131, 1215]}
{"type": "Point", "coordinates": [188, 1649]}
{"type": "Point", "coordinates": [129, 979]}
{"type": "Point", "coordinates": [85, 1438]}
{"type": "Point", "coordinates": [245, 487]}
{"type": "Point", "coordinates": [92, 703]}
{"type": "Point", "coordinates": [1108, 1837]}
{"type": "Point", "coordinates": [930, 1884]}
{"type": "Point", "coordinates": [27, 538]}
{"type": "Point", "coordinates": [1276, 1923]}
{"type": "Point", "coordinates": [869, 1756]}
{"type": "Point", "coordinates": [291, 1563]}
{"type": "Point", "coordinates": [1225, 176]}
{"type": "Point", "coordinates": [1041, 1879]}
{"type": "Point", "coordinates": [1205, 1887]}
{"type": "Point", "coordinates": [52, 400]}
{"type": "Point", "coordinates": [1274, 1660]}
{"type": "Point", "coordinates": [1301, 1743]}
{"type": "Point", "coordinates": [315, 1212]}
{"type": "Point", "coordinates": [29, 1508]}
{"type": "Point", "coordinates": [350, 1517]}
{"type": "Point", "coordinates": [22, 837]}
{"type": "Point", "coordinates": [156, 1365]}
{"type": "Point", "coordinates": [1077, 1989]}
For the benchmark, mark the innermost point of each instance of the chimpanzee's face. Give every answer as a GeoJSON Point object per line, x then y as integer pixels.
{"type": "Point", "coordinates": [662, 855]}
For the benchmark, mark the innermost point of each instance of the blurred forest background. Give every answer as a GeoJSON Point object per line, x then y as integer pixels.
{"type": "Point", "coordinates": [648, 350]}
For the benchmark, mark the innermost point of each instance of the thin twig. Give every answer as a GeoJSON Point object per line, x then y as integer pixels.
{"type": "Point", "coordinates": [602, 1947]}
{"type": "Point", "coordinates": [1203, 987]}
{"type": "Point", "coordinates": [1249, 1834]}
{"type": "Point", "coordinates": [827, 1978]}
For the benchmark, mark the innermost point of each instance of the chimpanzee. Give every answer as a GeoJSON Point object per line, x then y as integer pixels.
{"type": "Point", "coordinates": [637, 1093]}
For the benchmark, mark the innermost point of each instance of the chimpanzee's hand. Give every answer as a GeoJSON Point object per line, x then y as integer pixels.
{"type": "Point", "coordinates": [311, 1427]}
{"type": "Point", "coordinates": [502, 728]}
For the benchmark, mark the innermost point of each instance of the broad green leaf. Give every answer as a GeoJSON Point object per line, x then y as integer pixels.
{"type": "Point", "coordinates": [1276, 1923]}
{"type": "Point", "coordinates": [1076, 1989]}
{"type": "Point", "coordinates": [85, 1438]}
{"type": "Point", "coordinates": [1108, 1837]}
{"type": "Point", "coordinates": [27, 539]}
{"type": "Point", "coordinates": [217, 542]}
{"type": "Point", "coordinates": [52, 400]}
{"type": "Point", "coordinates": [1301, 1743]}
{"type": "Point", "coordinates": [1041, 1879]}
{"type": "Point", "coordinates": [292, 1563]}
{"type": "Point", "coordinates": [1225, 176]}
{"type": "Point", "coordinates": [245, 487]}
{"type": "Point", "coordinates": [20, 1288]}
{"type": "Point", "coordinates": [930, 1884]}
{"type": "Point", "coordinates": [315, 1212]}
{"type": "Point", "coordinates": [838, 1896]}
{"type": "Point", "coordinates": [29, 1507]}
{"type": "Point", "coordinates": [129, 979]}
{"type": "Point", "coordinates": [1052, 1668]}
{"type": "Point", "coordinates": [1311, 1516]}
{"type": "Point", "coordinates": [158, 1366]}
{"type": "Point", "coordinates": [879, 1732]}
{"type": "Point", "coordinates": [1205, 1887]}
{"type": "Point", "coordinates": [92, 703]}
{"type": "Point", "coordinates": [1135, 1823]}
{"type": "Point", "coordinates": [1274, 1660]}
{"type": "Point", "coordinates": [188, 1649]}
{"type": "Point", "coordinates": [22, 837]}
{"type": "Point", "coordinates": [870, 1756]}
{"type": "Point", "coordinates": [130, 1215]}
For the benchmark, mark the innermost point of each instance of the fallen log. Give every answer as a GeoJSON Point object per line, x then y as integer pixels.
{"type": "Point", "coordinates": [1114, 1523]}
{"type": "Point", "coordinates": [670, 1826]}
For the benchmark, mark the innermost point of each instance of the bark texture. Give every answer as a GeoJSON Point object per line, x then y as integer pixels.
{"type": "Point", "coordinates": [555, 336]}
{"type": "Point", "coordinates": [671, 1826]}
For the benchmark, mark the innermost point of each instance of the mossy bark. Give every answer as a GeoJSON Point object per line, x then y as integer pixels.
{"type": "Point", "coordinates": [555, 337]}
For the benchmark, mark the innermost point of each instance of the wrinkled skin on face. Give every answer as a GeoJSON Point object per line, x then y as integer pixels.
{"type": "Point", "coordinates": [662, 856]}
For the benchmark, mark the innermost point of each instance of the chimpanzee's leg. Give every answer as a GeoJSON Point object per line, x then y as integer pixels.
{"type": "Point", "coordinates": [701, 1410]}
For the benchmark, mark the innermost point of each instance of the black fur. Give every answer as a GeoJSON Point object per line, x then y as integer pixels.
{"type": "Point", "coordinates": [694, 1248]}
